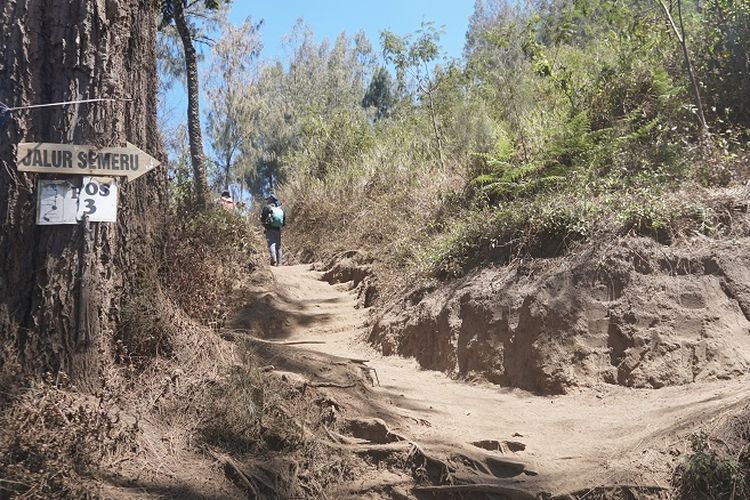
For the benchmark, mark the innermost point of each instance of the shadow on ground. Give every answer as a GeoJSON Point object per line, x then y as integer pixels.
{"type": "Point", "coordinates": [272, 315]}
{"type": "Point", "coordinates": [151, 489]}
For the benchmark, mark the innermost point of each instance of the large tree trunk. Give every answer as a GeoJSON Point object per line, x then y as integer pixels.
{"type": "Point", "coordinates": [56, 51]}
{"type": "Point", "coordinates": [197, 156]}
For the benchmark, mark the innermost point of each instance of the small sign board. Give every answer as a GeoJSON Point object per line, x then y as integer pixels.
{"type": "Point", "coordinates": [48, 158]}
{"type": "Point", "coordinates": [57, 203]}
{"type": "Point", "coordinates": [62, 202]}
{"type": "Point", "coordinates": [98, 199]}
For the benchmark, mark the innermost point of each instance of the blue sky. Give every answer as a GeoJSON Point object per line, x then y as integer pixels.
{"type": "Point", "coordinates": [328, 18]}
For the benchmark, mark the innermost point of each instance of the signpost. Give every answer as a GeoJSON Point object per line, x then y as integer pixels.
{"type": "Point", "coordinates": [93, 200]}
{"type": "Point", "coordinates": [63, 201]}
{"type": "Point", "coordinates": [57, 203]}
{"type": "Point", "coordinates": [47, 158]}
{"type": "Point", "coordinates": [98, 199]}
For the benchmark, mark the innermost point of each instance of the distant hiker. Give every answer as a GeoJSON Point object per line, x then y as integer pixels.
{"type": "Point", "coordinates": [226, 201]}
{"type": "Point", "coordinates": [273, 219]}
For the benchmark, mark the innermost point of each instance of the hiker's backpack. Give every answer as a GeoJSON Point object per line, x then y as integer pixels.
{"type": "Point", "coordinates": [276, 217]}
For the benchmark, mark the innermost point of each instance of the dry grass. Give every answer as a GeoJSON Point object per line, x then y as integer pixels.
{"type": "Point", "coordinates": [207, 256]}
{"type": "Point", "coordinates": [175, 399]}
{"type": "Point", "coordinates": [274, 429]}
{"type": "Point", "coordinates": [56, 441]}
{"type": "Point", "coordinates": [388, 212]}
{"type": "Point", "coordinates": [53, 437]}
{"type": "Point", "coordinates": [718, 464]}
{"type": "Point", "coordinates": [417, 225]}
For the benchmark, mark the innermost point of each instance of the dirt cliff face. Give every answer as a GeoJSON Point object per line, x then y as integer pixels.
{"type": "Point", "coordinates": [634, 313]}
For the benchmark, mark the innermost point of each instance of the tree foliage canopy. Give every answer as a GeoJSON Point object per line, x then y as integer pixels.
{"type": "Point", "coordinates": [548, 93]}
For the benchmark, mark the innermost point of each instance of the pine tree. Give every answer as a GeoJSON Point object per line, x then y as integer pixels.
{"type": "Point", "coordinates": [49, 321]}
{"type": "Point", "coordinates": [379, 93]}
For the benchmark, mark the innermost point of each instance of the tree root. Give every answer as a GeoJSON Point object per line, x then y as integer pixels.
{"type": "Point", "coordinates": [362, 365]}
{"type": "Point", "coordinates": [339, 438]}
{"type": "Point", "coordinates": [436, 469]}
{"type": "Point", "coordinates": [233, 472]}
{"type": "Point", "coordinates": [505, 491]}
{"type": "Point", "coordinates": [330, 384]}
{"type": "Point", "coordinates": [372, 450]}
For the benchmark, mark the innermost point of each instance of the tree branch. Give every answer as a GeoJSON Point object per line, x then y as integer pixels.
{"type": "Point", "coordinates": [680, 34]}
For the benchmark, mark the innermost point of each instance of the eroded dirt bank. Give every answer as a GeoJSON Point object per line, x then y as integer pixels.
{"type": "Point", "coordinates": [633, 313]}
{"type": "Point", "coordinates": [448, 437]}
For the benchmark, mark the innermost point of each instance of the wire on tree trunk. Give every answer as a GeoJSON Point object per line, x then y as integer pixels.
{"type": "Point", "coordinates": [4, 108]}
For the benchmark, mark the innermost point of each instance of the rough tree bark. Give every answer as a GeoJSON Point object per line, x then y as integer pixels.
{"type": "Point", "coordinates": [197, 157]}
{"type": "Point", "coordinates": [57, 51]}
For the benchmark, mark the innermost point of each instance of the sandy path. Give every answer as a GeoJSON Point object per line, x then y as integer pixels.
{"type": "Point", "coordinates": [608, 435]}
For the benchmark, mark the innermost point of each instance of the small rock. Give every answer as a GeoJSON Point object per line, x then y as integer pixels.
{"type": "Point", "coordinates": [515, 446]}
{"type": "Point", "coordinates": [373, 430]}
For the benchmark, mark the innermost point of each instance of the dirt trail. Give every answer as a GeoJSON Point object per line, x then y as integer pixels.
{"type": "Point", "coordinates": [604, 436]}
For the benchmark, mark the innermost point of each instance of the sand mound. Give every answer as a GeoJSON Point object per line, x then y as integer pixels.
{"type": "Point", "coordinates": [634, 313]}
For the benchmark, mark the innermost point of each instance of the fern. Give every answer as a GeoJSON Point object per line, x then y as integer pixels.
{"type": "Point", "coordinates": [511, 181]}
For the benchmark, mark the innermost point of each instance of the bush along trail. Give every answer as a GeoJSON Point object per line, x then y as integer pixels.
{"type": "Point", "coordinates": [419, 433]}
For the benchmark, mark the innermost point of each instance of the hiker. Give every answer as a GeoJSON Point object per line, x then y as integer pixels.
{"type": "Point", "coordinates": [226, 201]}
{"type": "Point", "coordinates": [273, 219]}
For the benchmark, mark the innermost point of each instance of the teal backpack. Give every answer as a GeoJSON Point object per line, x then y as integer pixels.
{"type": "Point", "coordinates": [276, 217]}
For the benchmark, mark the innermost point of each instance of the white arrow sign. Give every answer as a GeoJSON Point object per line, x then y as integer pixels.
{"type": "Point", "coordinates": [42, 157]}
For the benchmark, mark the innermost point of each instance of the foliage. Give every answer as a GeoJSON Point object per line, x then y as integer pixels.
{"type": "Point", "coordinates": [707, 475]}
{"type": "Point", "coordinates": [335, 142]}
{"type": "Point", "coordinates": [551, 224]}
{"type": "Point", "coordinates": [725, 34]}
{"type": "Point", "coordinates": [181, 14]}
{"type": "Point", "coordinates": [168, 8]}
{"type": "Point", "coordinates": [292, 110]}
{"type": "Point", "coordinates": [203, 17]}
{"type": "Point", "coordinates": [545, 228]}
{"type": "Point", "coordinates": [233, 70]}
{"type": "Point", "coordinates": [412, 57]}
{"type": "Point", "coordinates": [562, 120]}
{"type": "Point", "coordinates": [179, 173]}
{"type": "Point", "coordinates": [379, 93]}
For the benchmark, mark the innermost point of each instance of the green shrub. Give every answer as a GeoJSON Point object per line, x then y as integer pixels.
{"type": "Point", "coordinates": [546, 227]}
{"type": "Point", "coordinates": [707, 475]}
{"type": "Point", "coordinates": [332, 141]}
{"type": "Point", "coordinates": [565, 120]}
